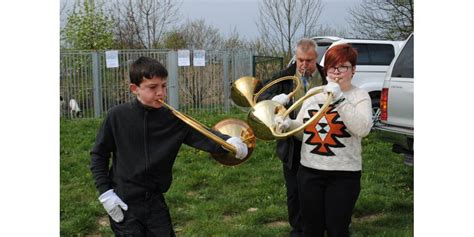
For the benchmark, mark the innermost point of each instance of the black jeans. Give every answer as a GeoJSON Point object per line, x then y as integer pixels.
{"type": "Point", "coordinates": [327, 200]}
{"type": "Point", "coordinates": [147, 216]}
{"type": "Point", "coordinates": [292, 200]}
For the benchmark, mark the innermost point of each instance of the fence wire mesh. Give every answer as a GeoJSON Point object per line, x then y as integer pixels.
{"type": "Point", "coordinates": [84, 77]}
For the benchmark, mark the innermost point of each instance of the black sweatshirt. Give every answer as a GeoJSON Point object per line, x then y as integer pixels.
{"type": "Point", "coordinates": [144, 143]}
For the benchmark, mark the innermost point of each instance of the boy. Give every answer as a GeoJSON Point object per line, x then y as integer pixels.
{"type": "Point", "coordinates": [144, 139]}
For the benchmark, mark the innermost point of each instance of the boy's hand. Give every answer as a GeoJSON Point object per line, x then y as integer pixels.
{"type": "Point", "coordinates": [240, 146]}
{"type": "Point", "coordinates": [281, 98]}
{"type": "Point", "coordinates": [113, 205]}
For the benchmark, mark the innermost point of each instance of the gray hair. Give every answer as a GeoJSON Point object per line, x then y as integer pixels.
{"type": "Point", "coordinates": [306, 44]}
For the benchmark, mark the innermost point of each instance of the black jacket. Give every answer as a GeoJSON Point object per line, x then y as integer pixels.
{"type": "Point", "coordinates": [288, 150]}
{"type": "Point", "coordinates": [144, 143]}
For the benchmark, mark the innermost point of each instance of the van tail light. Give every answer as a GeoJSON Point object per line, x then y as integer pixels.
{"type": "Point", "coordinates": [384, 104]}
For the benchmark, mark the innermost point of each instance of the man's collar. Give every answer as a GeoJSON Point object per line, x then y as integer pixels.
{"type": "Point", "coordinates": [298, 74]}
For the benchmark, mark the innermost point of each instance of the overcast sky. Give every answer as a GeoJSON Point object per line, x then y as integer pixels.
{"type": "Point", "coordinates": [243, 14]}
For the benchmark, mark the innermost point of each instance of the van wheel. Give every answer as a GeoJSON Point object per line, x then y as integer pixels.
{"type": "Point", "coordinates": [375, 108]}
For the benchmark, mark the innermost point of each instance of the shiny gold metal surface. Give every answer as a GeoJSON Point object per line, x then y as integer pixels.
{"type": "Point", "coordinates": [297, 84]}
{"type": "Point", "coordinates": [234, 126]}
{"type": "Point", "coordinates": [243, 89]}
{"type": "Point", "coordinates": [262, 115]}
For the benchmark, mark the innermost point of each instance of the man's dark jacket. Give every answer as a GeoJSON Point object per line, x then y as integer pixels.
{"type": "Point", "coordinates": [288, 149]}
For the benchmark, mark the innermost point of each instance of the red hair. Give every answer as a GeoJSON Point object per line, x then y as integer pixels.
{"type": "Point", "coordinates": [339, 54]}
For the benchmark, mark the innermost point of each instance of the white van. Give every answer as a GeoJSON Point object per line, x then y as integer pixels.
{"type": "Point", "coordinates": [373, 60]}
{"type": "Point", "coordinates": [396, 109]}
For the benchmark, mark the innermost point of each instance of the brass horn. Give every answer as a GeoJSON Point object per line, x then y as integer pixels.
{"type": "Point", "coordinates": [242, 91]}
{"type": "Point", "coordinates": [231, 127]}
{"type": "Point", "coordinates": [261, 116]}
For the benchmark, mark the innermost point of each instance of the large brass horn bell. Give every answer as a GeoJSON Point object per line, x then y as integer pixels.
{"type": "Point", "coordinates": [235, 128]}
{"type": "Point", "coordinates": [231, 127]}
{"type": "Point", "coordinates": [242, 91]}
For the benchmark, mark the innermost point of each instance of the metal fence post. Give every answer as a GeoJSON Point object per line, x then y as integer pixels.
{"type": "Point", "coordinates": [254, 66]}
{"type": "Point", "coordinates": [225, 65]}
{"type": "Point", "coordinates": [96, 84]}
{"type": "Point", "coordinates": [250, 63]}
{"type": "Point", "coordinates": [173, 85]}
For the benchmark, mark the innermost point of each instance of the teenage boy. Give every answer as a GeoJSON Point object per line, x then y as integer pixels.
{"type": "Point", "coordinates": [143, 138]}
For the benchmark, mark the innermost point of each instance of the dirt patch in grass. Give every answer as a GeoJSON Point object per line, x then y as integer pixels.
{"type": "Point", "coordinates": [368, 218]}
{"type": "Point", "coordinates": [103, 221]}
{"type": "Point", "coordinates": [227, 217]}
{"type": "Point", "coordinates": [277, 224]}
{"type": "Point", "coordinates": [252, 209]}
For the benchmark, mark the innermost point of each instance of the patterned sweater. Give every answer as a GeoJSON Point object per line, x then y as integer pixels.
{"type": "Point", "coordinates": [334, 142]}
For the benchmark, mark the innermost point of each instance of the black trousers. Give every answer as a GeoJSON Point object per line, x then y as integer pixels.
{"type": "Point", "coordinates": [327, 199]}
{"type": "Point", "coordinates": [147, 216]}
{"type": "Point", "coordinates": [292, 200]}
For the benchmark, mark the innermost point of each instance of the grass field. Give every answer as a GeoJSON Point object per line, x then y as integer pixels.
{"type": "Point", "coordinates": [208, 199]}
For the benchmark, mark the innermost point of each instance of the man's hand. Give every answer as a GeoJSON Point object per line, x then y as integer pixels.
{"type": "Point", "coordinates": [240, 147]}
{"type": "Point", "coordinates": [281, 98]}
{"type": "Point", "coordinates": [282, 124]}
{"type": "Point", "coordinates": [113, 205]}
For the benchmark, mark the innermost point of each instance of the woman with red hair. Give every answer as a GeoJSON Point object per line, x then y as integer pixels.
{"type": "Point", "coordinates": [331, 161]}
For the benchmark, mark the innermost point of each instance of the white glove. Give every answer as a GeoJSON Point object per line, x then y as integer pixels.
{"type": "Point", "coordinates": [240, 147]}
{"type": "Point", "coordinates": [113, 205]}
{"type": "Point", "coordinates": [281, 98]}
{"type": "Point", "coordinates": [335, 89]}
{"type": "Point", "coordinates": [282, 124]}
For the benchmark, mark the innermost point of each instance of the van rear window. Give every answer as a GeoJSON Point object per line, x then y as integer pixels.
{"type": "Point", "coordinates": [374, 54]}
{"type": "Point", "coordinates": [403, 67]}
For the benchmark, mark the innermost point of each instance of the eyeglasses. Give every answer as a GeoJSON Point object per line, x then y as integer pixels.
{"type": "Point", "coordinates": [341, 69]}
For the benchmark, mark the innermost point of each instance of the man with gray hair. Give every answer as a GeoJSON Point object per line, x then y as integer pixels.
{"type": "Point", "coordinates": [288, 150]}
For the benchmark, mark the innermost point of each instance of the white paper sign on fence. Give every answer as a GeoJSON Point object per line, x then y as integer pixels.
{"type": "Point", "coordinates": [183, 57]}
{"type": "Point", "coordinates": [199, 58]}
{"type": "Point", "coordinates": [111, 59]}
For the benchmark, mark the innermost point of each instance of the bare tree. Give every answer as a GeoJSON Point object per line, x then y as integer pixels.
{"type": "Point", "coordinates": [259, 47]}
{"type": "Point", "coordinates": [310, 13]}
{"type": "Point", "coordinates": [143, 23]}
{"type": "Point", "coordinates": [234, 41]}
{"type": "Point", "coordinates": [199, 35]}
{"type": "Point", "coordinates": [197, 82]}
{"type": "Point", "coordinates": [63, 8]}
{"type": "Point", "coordinates": [64, 11]}
{"type": "Point", "coordinates": [326, 30]}
{"type": "Point", "coordinates": [282, 21]}
{"type": "Point", "coordinates": [383, 19]}
{"type": "Point", "coordinates": [128, 30]}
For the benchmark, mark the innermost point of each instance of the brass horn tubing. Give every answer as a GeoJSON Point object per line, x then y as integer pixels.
{"type": "Point", "coordinates": [296, 79]}
{"type": "Point", "coordinates": [317, 116]}
{"type": "Point", "coordinates": [200, 128]}
{"type": "Point", "coordinates": [301, 100]}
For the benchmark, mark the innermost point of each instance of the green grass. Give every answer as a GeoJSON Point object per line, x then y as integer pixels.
{"type": "Point", "coordinates": [209, 199]}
